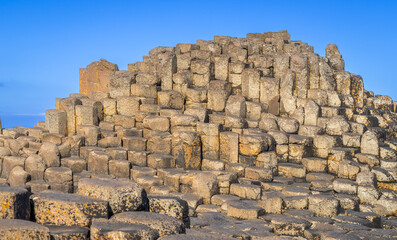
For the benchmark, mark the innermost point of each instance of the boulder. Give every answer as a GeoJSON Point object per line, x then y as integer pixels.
{"type": "Point", "coordinates": [122, 194]}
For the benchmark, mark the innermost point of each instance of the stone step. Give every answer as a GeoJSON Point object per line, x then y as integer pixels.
{"type": "Point", "coordinates": [248, 181]}
{"type": "Point", "coordinates": [269, 186]}
{"type": "Point", "coordinates": [111, 229]}
{"type": "Point", "coordinates": [347, 202]}
{"type": "Point", "coordinates": [295, 191]}
{"type": "Point", "coordinates": [300, 140]}
{"type": "Point", "coordinates": [160, 161]}
{"type": "Point", "coordinates": [313, 164]}
{"type": "Point", "coordinates": [163, 224]}
{"type": "Point", "coordinates": [291, 170]}
{"type": "Point", "coordinates": [212, 165]}
{"type": "Point", "coordinates": [65, 209]}
{"type": "Point", "coordinates": [243, 209]}
{"type": "Point", "coordinates": [374, 219]}
{"type": "Point", "coordinates": [321, 184]}
{"type": "Point", "coordinates": [122, 194]}
{"type": "Point", "coordinates": [76, 164]}
{"type": "Point", "coordinates": [221, 199]}
{"type": "Point", "coordinates": [193, 201]}
{"type": "Point", "coordinates": [345, 186]}
{"type": "Point", "coordinates": [147, 182]}
{"type": "Point", "coordinates": [310, 130]}
{"type": "Point", "coordinates": [387, 164]}
{"type": "Point", "coordinates": [246, 191]}
{"type": "Point", "coordinates": [119, 168]}
{"type": "Point", "coordinates": [351, 140]}
{"type": "Point", "coordinates": [323, 205]}
{"type": "Point", "coordinates": [66, 232]}
{"type": "Point", "coordinates": [170, 206]}
{"type": "Point", "coordinates": [137, 172]}
{"type": "Point", "coordinates": [295, 202]}
{"type": "Point", "coordinates": [171, 177]}
{"type": "Point", "coordinates": [137, 158]}
{"type": "Point", "coordinates": [134, 143]}
{"type": "Point", "coordinates": [208, 208]}
{"type": "Point", "coordinates": [259, 174]}
{"type": "Point", "coordinates": [160, 190]}
{"type": "Point", "coordinates": [337, 154]}
{"type": "Point", "coordinates": [286, 225]}
{"type": "Point", "coordinates": [352, 220]}
{"type": "Point", "coordinates": [159, 142]}
{"type": "Point", "coordinates": [22, 229]}
{"type": "Point", "coordinates": [312, 176]}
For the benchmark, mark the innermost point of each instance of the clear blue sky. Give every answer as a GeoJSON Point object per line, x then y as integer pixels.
{"type": "Point", "coordinates": [44, 43]}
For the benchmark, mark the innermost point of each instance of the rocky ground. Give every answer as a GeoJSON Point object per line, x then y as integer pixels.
{"type": "Point", "coordinates": [248, 138]}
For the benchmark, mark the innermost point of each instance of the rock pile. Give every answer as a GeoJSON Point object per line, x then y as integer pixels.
{"type": "Point", "coordinates": [249, 138]}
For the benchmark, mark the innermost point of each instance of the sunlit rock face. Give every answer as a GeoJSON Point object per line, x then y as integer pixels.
{"type": "Point", "coordinates": [248, 138]}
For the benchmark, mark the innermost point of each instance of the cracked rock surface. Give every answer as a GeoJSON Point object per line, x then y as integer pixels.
{"type": "Point", "coordinates": [247, 138]}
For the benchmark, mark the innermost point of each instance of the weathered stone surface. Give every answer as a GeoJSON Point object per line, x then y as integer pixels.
{"type": "Point", "coordinates": [65, 232]}
{"type": "Point", "coordinates": [163, 224]}
{"type": "Point", "coordinates": [288, 225]}
{"type": "Point", "coordinates": [369, 143]}
{"type": "Point", "coordinates": [35, 166]}
{"type": "Point", "coordinates": [195, 235]}
{"type": "Point", "coordinates": [109, 229]}
{"type": "Point", "coordinates": [186, 149]}
{"type": "Point", "coordinates": [171, 206]}
{"type": "Point", "coordinates": [18, 176]}
{"type": "Point", "coordinates": [171, 99]}
{"type": "Point", "coordinates": [243, 210]}
{"type": "Point", "coordinates": [15, 203]}
{"type": "Point", "coordinates": [205, 185]}
{"type": "Point", "coordinates": [76, 164]}
{"type": "Point", "coordinates": [251, 145]}
{"type": "Point", "coordinates": [59, 179]}
{"type": "Point", "coordinates": [292, 170]}
{"type": "Point", "coordinates": [337, 126]}
{"type": "Point", "coordinates": [315, 164]}
{"type": "Point", "coordinates": [96, 77]}
{"type": "Point", "coordinates": [159, 161]}
{"type": "Point", "coordinates": [98, 162]}
{"type": "Point", "coordinates": [288, 125]}
{"type": "Point", "coordinates": [68, 209]}
{"type": "Point", "coordinates": [122, 194]}
{"type": "Point", "coordinates": [246, 191]}
{"type": "Point", "coordinates": [56, 121]}
{"type": "Point", "coordinates": [22, 229]}
{"type": "Point", "coordinates": [250, 79]}
{"type": "Point", "coordinates": [222, 131]}
{"type": "Point", "coordinates": [323, 205]}
{"type": "Point", "coordinates": [236, 106]}
{"type": "Point", "coordinates": [357, 90]}
{"type": "Point", "coordinates": [50, 154]}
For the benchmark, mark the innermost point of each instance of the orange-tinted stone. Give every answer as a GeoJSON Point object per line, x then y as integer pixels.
{"type": "Point", "coordinates": [96, 77]}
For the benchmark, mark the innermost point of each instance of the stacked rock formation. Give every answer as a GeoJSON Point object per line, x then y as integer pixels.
{"type": "Point", "coordinates": [249, 138]}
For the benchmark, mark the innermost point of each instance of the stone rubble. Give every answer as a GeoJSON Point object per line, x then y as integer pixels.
{"type": "Point", "coordinates": [248, 138]}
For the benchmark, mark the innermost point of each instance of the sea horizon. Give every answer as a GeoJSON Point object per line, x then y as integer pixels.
{"type": "Point", "coordinates": [20, 120]}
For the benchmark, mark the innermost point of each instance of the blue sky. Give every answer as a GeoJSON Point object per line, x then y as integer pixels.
{"type": "Point", "coordinates": [44, 43]}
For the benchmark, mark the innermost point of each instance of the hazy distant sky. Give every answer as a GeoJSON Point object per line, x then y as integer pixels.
{"type": "Point", "coordinates": [44, 43]}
